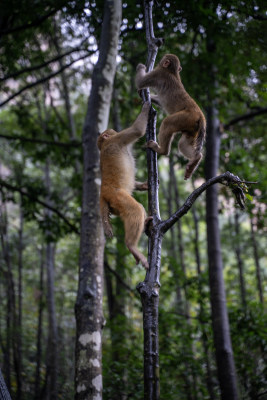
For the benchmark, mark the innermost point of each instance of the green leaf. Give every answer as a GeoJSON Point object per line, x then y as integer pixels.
{"type": "Point", "coordinates": [249, 197]}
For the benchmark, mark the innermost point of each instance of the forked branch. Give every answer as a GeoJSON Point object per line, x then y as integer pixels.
{"type": "Point", "coordinates": [237, 186]}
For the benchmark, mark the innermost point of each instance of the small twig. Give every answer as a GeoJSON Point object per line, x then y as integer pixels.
{"type": "Point", "coordinates": [41, 202]}
{"type": "Point", "coordinates": [245, 117]}
{"type": "Point", "coordinates": [228, 179]}
{"type": "Point", "coordinates": [39, 66]}
{"type": "Point", "coordinates": [46, 78]}
{"type": "Point", "coordinates": [120, 279]}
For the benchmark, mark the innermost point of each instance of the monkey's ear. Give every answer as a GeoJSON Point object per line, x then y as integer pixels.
{"type": "Point", "coordinates": [180, 68]}
{"type": "Point", "coordinates": [166, 63]}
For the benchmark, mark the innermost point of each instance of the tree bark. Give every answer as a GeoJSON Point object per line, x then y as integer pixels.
{"type": "Point", "coordinates": [149, 289]}
{"type": "Point", "coordinates": [4, 393]}
{"type": "Point", "coordinates": [11, 318]}
{"type": "Point", "coordinates": [257, 262]}
{"type": "Point", "coordinates": [88, 309]}
{"type": "Point", "coordinates": [220, 323]}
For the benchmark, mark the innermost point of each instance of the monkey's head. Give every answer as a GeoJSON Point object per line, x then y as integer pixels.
{"type": "Point", "coordinates": [171, 63]}
{"type": "Point", "coordinates": [103, 137]}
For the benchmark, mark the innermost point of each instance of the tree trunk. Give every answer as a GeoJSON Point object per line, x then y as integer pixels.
{"type": "Point", "coordinates": [220, 323]}
{"type": "Point", "coordinates": [257, 262]}
{"type": "Point", "coordinates": [168, 194]}
{"type": "Point", "coordinates": [4, 394]}
{"type": "Point", "coordinates": [19, 322]}
{"type": "Point", "coordinates": [11, 319]}
{"type": "Point", "coordinates": [52, 346]}
{"type": "Point", "coordinates": [240, 263]}
{"type": "Point", "coordinates": [201, 310]}
{"type": "Point", "coordinates": [88, 309]}
{"type": "Point", "coordinates": [116, 304]}
{"type": "Point", "coordinates": [37, 385]}
{"type": "Point", "coordinates": [5, 252]}
{"type": "Point", "coordinates": [180, 236]}
{"type": "Point", "coordinates": [149, 289]}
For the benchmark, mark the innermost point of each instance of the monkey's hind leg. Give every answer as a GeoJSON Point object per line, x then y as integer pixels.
{"type": "Point", "coordinates": [187, 148]}
{"type": "Point", "coordinates": [105, 214]}
{"type": "Point", "coordinates": [167, 131]}
{"type": "Point", "coordinates": [133, 215]}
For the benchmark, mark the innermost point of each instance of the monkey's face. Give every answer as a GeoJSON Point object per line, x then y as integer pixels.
{"type": "Point", "coordinates": [104, 137]}
{"type": "Point", "coordinates": [171, 63]}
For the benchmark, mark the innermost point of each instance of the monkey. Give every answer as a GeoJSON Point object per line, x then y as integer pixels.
{"type": "Point", "coordinates": [184, 115]}
{"type": "Point", "coordinates": [117, 167]}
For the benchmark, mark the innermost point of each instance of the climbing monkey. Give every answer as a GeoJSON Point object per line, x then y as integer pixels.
{"type": "Point", "coordinates": [118, 182]}
{"type": "Point", "coordinates": [184, 116]}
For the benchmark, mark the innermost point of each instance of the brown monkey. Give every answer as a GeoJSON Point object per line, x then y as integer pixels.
{"type": "Point", "coordinates": [118, 182]}
{"type": "Point", "coordinates": [184, 114]}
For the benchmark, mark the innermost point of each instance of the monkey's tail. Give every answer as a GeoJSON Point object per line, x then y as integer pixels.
{"type": "Point", "coordinates": [201, 136]}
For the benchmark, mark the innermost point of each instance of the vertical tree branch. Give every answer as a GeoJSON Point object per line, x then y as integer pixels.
{"type": "Point", "coordinates": [149, 289]}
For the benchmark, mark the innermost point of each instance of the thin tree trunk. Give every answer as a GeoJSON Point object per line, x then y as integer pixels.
{"type": "Point", "coordinates": [7, 352]}
{"type": "Point", "coordinates": [201, 310]}
{"type": "Point", "coordinates": [19, 322]}
{"type": "Point", "coordinates": [168, 194]}
{"type": "Point", "coordinates": [180, 235]}
{"type": "Point", "coordinates": [116, 305]}
{"type": "Point", "coordinates": [220, 323]}
{"type": "Point", "coordinates": [257, 262]}
{"type": "Point", "coordinates": [52, 346]}
{"type": "Point", "coordinates": [37, 386]}
{"type": "Point", "coordinates": [11, 338]}
{"type": "Point", "coordinates": [189, 380]}
{"type": "Point", "coordinates": [149, 288]}
{"type": "Point", "coordinates": [240, 263]}
{"type": "Point", "coordinates": [88, 309]}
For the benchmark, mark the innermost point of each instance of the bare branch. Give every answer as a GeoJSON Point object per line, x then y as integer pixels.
{"type": "Point", "coordinates": [39, 66]}
{"type": "Point", "coordinates": [46, 78]}
{"type": "Point", "coordinates": [41, 202]}
{"type": "Point", "coordinates": [74, 143]}
{"type": "Point", "coordinates": [237, 186]}
{"type": "Point", "coordinates": [106, 266]}
{"type": "Point", "coordinates": [36, 22]}
{"type": "Point", "coordinates": [245, 117]}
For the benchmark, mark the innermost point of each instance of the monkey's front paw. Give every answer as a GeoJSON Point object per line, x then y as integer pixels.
{"type": "Point", "coordinates": [146, 107]}
{"type": "Point", "coordinates": [140, 66]}
{"type": "Point", "coordinates": [188, 173]}
{"type": "Point", "coordinates": [144, 263]}
{"type": "Point", "coordinates": [151, 144]}
{"type": "Point", "coordinates": [109, 232]}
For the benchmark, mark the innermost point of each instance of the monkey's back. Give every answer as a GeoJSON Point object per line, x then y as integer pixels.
{"type": "Point", "coordinates": [117, 167]}
{"type": "Point", "coordinates": [174, 97]}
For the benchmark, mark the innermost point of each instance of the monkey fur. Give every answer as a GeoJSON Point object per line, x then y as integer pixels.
{"type": "Point", "coordinates": [184, 115]}
{"type": "Point", "coordinates": [118, 182]}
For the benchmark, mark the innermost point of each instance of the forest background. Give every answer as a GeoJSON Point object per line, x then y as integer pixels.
{"type": "Point", "coordinates": [48, 53]}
